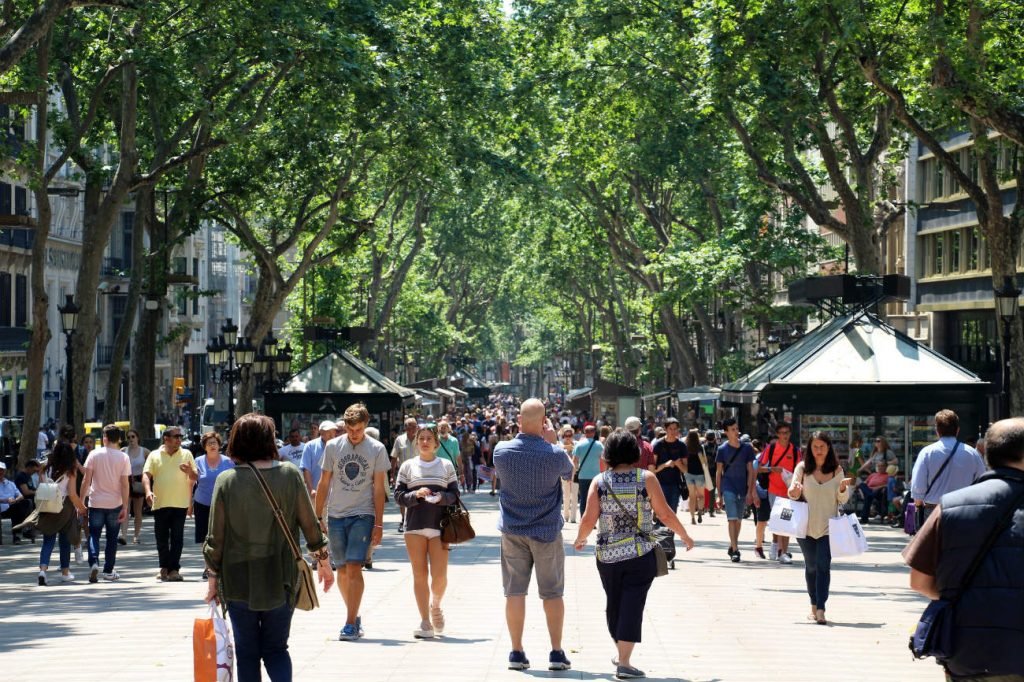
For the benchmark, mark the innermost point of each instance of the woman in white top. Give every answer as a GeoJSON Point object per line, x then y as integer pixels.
{"type": "Point", "coordinates": [570, 488]}
{"type": "Point", "coordinates": [137, 456]}
{"type": "Point", "coordinates": [819, 481]}
{"type": "Point", "coordinates": [61, 526]}
{"type": "Point", "coordinates": [425, 486]}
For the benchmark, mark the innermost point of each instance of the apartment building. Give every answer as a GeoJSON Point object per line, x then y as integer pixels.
{"type": "Point", "coordinates": [952, 279]}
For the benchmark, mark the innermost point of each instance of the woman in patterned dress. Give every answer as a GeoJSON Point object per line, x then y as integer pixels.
{"type": "Point", "coordinates": [622, 503]}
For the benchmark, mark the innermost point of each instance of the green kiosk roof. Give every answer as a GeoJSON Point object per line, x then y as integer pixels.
{"type": "Point", "coordinates": [858, 355]}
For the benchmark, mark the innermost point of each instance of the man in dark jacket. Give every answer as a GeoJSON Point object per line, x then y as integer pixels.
{"type": "Point", "coordinates": [988, 640]}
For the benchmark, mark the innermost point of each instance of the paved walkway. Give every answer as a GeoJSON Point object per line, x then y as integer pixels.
{"type": "Point", "coordinates": [708, 620]}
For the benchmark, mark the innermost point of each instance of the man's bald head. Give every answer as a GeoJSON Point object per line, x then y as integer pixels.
{"type": "Point", "coordinates": [1004, 443]}
{"type": "Point", "coordinates": [531, 416]}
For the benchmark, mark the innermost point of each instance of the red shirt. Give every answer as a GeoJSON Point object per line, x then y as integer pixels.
{"type": "Point", "coordinates": [774, 456]}
{"type": "Point", "coordinates": [647, 456]}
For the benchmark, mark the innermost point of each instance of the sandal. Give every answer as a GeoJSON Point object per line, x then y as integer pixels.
{"type": "Point", "coordinates": [437, 619]}
{"type": "Point", "coordinates": [819, 617]}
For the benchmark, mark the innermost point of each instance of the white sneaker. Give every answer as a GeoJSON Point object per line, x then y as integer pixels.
{"type": "Point", "coordinates": [70, 577]}
{"type": "Point", "coordinates": [785, 558]}
{"type": "Point", "coordinates": [425, 631]}
{"type": "Point", "coordinates": [111, 577]}
{"type": "Point", "coordinates": [94, 573]}
{"type": "Point", "coordinates": [773, 553]}
{"type": "Point", "coordinates": [79, 557]}
{"type": "Point", "coordinates": [42, 579]}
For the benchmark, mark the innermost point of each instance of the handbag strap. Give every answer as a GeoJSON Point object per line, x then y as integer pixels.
{"type": "Point", "coordinates": [587, 453]}
{"type": "Point", "coordinates": [941, 469]}
{"type": "Point", "coordinates": [611, 491]}
{"type": "Point", "coordinates": [997, 529]}
{"type": "Point", "coordinates": [277, 514]}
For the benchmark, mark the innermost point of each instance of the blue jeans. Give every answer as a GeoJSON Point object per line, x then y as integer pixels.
{"type": "Point", "coordinates": [583, 491]}
{"type": "Point", "coordinates": [98, 520]}
{"type": "Point", "coordinates": [672, 494]}
{"type": "Point", "coordinates": [349, 537]}
{"type": "Point", "coordinates": [734, 504]}
{"type": "Point", "coordinates": [47, 550]}
{"type": "Point", "coordinates": [817, 568]}
{"type": "Point", "coordinates": [261, 635]}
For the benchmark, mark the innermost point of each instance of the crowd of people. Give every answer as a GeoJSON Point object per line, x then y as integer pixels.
{"type": "Point", "coordinates": [548, 471]}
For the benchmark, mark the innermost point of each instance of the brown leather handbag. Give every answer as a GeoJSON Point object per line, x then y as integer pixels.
{"type": "Point", "coordinates": [455, 525]}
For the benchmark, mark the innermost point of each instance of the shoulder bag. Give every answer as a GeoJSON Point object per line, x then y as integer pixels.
{"type": "Point", "coordinates": [660, 558]}
{"type": "Point", "coordinates": [919, 513]}
{"type": "Point", "coordinates": [709, 483]}
{"type": "Point", "coordinates": [305, 586]}
{"type": "Point", "coordinates": [576, 474]}
{"type": "Point", "coordinates": [455, 526]}
{"type": "Point", "coordinates": [933, 635]}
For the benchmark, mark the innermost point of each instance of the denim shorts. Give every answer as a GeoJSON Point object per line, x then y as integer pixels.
{"type": "Point", "coordinates": [350, 538]}
{"type": "Point", "coordinates": [694, 479]}
{"type": "Point", "coordinates": [734, 504]}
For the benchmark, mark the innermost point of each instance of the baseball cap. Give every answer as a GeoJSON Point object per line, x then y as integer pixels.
{"type": "Point", "coordinates": [633, 424]}
{"type": "Point", "coordinates": [745, 438]}
{"type": "Point", "coordinates": [328, 425]}
{"type": "Point", "coordinates": [2, 465]}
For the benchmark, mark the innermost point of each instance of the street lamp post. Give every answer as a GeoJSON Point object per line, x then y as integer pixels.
{"type": "Point", "coordinates": [230, 358]}
{"type": "Point", "coordinates": [1007, 307]}
{"type": "Point", "coordinates": [69, 323]}
{"type": "Point", "coordinates": [272, 364]}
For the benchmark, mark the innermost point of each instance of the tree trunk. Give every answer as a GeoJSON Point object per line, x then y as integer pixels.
{"type": "Point", "coordinates": [142, 397]}
{"type": "Point", "coordinates": [102, 208]}
{"type": "Point", "coordinates": [124, 335]}
{"type": "Point", "coordinates": [36, 355]}
{"type": "Point", "coordinates": [686, 367]}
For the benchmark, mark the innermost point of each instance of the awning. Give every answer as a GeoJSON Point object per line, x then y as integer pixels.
{"type": "Point", "coordinates": [578, 393]}
{"type": "Point", "coordinates": [445, 392]}
{"type": "Point", "coordinates": [342, 372]}
{"type": "Point", "coordinates": [657, 396]}
{"type": "Point", "coordinates": [699, 393]}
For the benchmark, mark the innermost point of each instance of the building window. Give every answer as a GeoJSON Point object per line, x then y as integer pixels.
{"type": "Point", "coordinates": [6, 294]}
{"type": "Point", "coordinates": [938, 254]}
{"type": "Point", "coordinates": [954, 251]}
{"type": "Point", "coordinates": [20, 201]}
{"type": "Point", "coordinates": [973, 249]}
{"type": "Point", "coordinates": [20, 301]}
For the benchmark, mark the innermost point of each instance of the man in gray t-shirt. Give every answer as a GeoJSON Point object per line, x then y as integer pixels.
{"type": "Point", "coordinates": [352, 488]}
{"type": "Point", "coordinates": [353, 467]}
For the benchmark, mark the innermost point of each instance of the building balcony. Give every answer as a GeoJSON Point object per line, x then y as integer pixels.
{"type": "Point", "coordinates": [115, 267]}
{"type": "Point", "coordinates": [19, 239]}
{"type": "Point", "coordinates": [104, 354]}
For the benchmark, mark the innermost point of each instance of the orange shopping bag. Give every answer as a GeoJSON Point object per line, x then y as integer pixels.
{"type": "Point", "coordinates": [213, 654]}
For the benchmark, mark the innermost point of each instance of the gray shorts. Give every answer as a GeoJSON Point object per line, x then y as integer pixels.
{"type": "Point", "coordinates": [520, 555]}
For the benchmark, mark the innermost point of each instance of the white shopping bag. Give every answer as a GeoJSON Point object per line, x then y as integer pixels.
{"type": "Point", "coordinates": [789, 517]}
{"type": "Point", "coordinates": [845, 536]}
{"type": "Point", "coordinates": [213, 649]}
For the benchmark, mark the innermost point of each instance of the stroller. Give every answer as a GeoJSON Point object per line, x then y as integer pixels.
{"type": "Point", "coordinates": [667, 539]}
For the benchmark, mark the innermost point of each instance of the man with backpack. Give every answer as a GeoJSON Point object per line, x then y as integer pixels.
{"type": "Point", "coordinates": [776, 465]}
{"type": "Point", "coordinates": [969, 554]}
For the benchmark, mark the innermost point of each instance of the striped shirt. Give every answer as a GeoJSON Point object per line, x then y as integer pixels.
{"type": "Point", "coordinates": [531, 472]}
{"type": "Point", "coordinates": [438, 475]}
{"type": "Point", "coordinates": [617, 531]}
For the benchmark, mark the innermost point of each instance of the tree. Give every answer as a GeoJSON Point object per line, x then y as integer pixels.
{"type": "Point", "coordinates": [924, 79]}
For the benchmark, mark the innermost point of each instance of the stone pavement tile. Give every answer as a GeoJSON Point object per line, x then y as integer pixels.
{"type": "Point", "coordinates": [707, 620]}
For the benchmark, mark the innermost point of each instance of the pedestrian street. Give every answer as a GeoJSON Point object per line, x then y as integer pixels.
{"type": "Point", "coordinates": [709, 619]}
